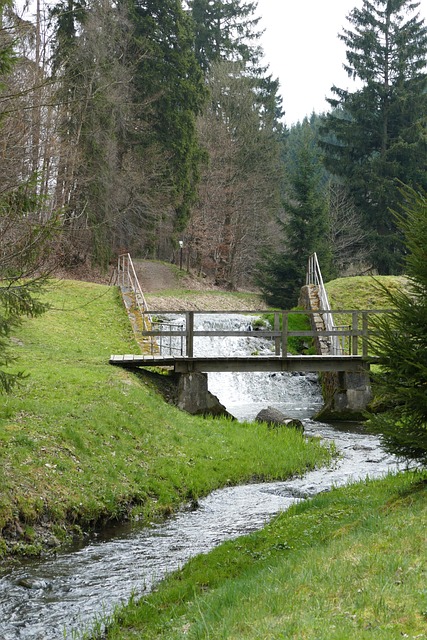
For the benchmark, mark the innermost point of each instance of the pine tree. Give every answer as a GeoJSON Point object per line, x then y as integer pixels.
{"type": "Point", "coordinates": [6, 43]}
{"type": "Point", "coordinates": [401, 343]}
{"type": "Point", "coordinates": [375, 136]}
{"type": "Point", "coordinates": [169, 77]}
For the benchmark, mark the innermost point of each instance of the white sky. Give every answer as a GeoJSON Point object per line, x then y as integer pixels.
{"type": "Point", "coordinates": [302, 49]}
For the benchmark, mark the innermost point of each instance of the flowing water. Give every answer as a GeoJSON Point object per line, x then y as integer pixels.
{"type": "Point", "coordinates": [63, 595]}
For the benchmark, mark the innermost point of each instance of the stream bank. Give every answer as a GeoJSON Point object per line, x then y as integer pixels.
{"type": "Point", "coordinates": [67, 592]}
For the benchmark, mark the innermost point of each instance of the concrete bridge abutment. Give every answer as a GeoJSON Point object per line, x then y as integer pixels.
{"type": "Point", "coordinates": [346, 394]}
{"type": "Point", "coordinates": [193, 396]}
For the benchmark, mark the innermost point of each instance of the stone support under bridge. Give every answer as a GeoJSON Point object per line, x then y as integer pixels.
{"type": "Point", "coordinates": [346, 394]}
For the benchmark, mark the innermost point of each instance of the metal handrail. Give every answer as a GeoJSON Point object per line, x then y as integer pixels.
{"type": "Point", "coordinates": [314, 277]}
{"type": "Point", "coordinates": [127, 278]}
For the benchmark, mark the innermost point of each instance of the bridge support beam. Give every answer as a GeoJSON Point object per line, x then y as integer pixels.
{"type": "Point", "coordinates": [194, 397]}
{"type": "Point", "coordinates": [346, 396]}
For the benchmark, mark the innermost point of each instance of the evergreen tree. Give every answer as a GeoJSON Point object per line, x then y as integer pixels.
{"type": "Point", "coordinates": [24, 240]}
{"type": "Point", "coordinates": [305, 227]}
{"type": "Point", "coordinates": [24, 265]}
{"type": "Point", "coordinates": [170, 79]}
{"type": "Point", "coordinates": [6, 43]}
{"type": "Point", "coordinates": [225, 30]}
{"type": "Point", "coordinates": [401, 343]}
{"type": "Point", "coordinates": [376, 135]}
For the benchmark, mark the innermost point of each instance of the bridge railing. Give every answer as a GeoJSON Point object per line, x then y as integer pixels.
{"type": "Point", "coordinates": [353, 331]}
{"type": "Point", "coordinates": [128, 280]}
{"type": "Point", "coordinates": [314, 277]}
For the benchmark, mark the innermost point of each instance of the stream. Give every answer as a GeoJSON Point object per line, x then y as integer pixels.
{"type": "Point", "coordinates": [62, 596]}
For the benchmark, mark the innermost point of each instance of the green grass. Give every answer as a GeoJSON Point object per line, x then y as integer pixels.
{"type": "Point", "coordinates": [362, 292]}
{"type": "Point", "coordinates": [296, 322]}
{"type": "Point", "coordinates": [349, 564]}
{"type": "Point", "coordinates": [82, 442]}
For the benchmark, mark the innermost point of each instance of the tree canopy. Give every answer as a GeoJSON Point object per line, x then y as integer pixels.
{"type": "Point", "coordinates": [375, 136]}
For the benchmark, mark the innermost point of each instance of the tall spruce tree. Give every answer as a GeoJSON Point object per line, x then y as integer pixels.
{"type": "Point", "coordinates": [225, 30]}
{"type": "Point", "coordinates": [401, 343]}
{"type": "Point", "coordinates": [305, 227]}
{"type": "Point", "coordinates": [377, 135]}
{"type": "Point", "coordinates": [170, 78]}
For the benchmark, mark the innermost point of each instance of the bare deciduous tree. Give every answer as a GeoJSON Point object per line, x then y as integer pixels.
{"type": "Point", "coordinates": [239, 188]}
{"type": "Point", "coordinates": [347, 236]}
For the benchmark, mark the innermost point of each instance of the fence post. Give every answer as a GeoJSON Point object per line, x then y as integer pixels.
{"type": "Point", "coordinates": [277, 328]}
{"type": "Point", "coordinates": [365, 333]}
{"type": "Point", "coordinates": [284, 334]}
{"type": "Point", "coordinates": [189, 333]}
{"type": "Point", "coordinates": [354, 338]}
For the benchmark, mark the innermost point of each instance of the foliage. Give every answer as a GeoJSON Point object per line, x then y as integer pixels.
{"type": "Point", "coordinates": [346, 564]}
{"type": "Point", "coordinates": [401, 343]}
{"type": "Point", "coordinates": [224, 31]}
{"type": "Point", "coordinates": [6, 44]}
{"type": "Point", "coordinates": [24, 263]}
{"type": "Point", "coordinates": [169, 76]}
{"type": "Point", "coordinates": [25, 240]}
{"type": "Point", "coordinates": [375, 135]}
{"type": "Point", "coordinates": [240, 182]}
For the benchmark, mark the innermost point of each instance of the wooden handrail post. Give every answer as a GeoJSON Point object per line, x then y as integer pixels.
{"type": "Point", "coordinates": [284, 334]}
{"type": "Point", "coordinates": [277, 328]}
{"type": "Point", "coordinates": [354, 328]}
{"type": "Point", "coordinates": [365, 329]}
{"type": "Point", "coordinates": [189, 334]}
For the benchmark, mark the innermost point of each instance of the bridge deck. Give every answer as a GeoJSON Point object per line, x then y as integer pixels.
{"type": "Point", "coordinates": [183, 364]}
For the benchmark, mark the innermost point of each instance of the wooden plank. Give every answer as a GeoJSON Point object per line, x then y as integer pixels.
{"type": "Point", "coordinates": [249, 363]}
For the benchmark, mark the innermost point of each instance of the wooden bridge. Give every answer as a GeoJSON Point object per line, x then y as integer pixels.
{"type": "Point", "coordinates": [340, 339]}
{"type": "Point", "coordinates": [173, 344]}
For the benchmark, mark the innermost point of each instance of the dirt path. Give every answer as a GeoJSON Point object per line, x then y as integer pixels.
{"type": "Point", "coordinates": [156, 278]}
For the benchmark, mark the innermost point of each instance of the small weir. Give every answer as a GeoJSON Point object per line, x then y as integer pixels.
{"type": "Point", "coordinates": [64, 595]}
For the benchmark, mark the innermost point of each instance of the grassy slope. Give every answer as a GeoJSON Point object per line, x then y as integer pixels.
{"type": "Point", "coordinates": [83, 441]}
{"type": "Point", "coordinates": [347, 564]}
{"type": "Point", "coordinates": [361, 292]}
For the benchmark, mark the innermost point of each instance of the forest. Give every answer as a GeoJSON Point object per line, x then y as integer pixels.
{"type": "Point", "coordinates": [132, 125]}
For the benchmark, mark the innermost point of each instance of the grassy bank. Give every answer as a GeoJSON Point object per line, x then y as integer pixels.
{"type": "Point", "coordinates": [348, 564]}
{"type": "Point", "coordinates": [362, 292]}
{"type": "Point", "coordinates": [82, 442]}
